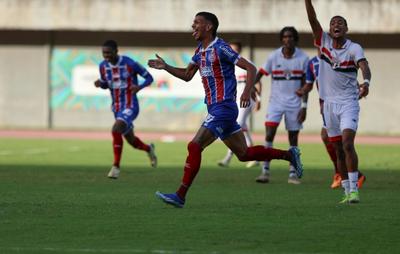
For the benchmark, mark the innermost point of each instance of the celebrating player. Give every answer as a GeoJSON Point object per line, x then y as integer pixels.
{"type": "Point", "coordinates": [244, 113]}
{"type": "Point", "coordinates": [119, 74]}
{"type": "Point", "coordinates": [338, 86]}
{"type": "Point", "coordinates": [311, 76]}
{"type": "Point", "coordinates": [287, 66]}
{"type": "Point", "coordinates": [216, 61]}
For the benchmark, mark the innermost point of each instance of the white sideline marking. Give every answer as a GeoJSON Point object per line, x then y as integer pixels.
{"type": "Point", "coordinates": [5, 153]}
{"type": "Point", "coordinates": [89, 250]}
{"type": "Point", "coordinates": [36, 151]}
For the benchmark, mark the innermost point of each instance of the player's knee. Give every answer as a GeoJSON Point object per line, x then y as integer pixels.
{"type": "Point", "coordinates": [348, 146]}
{"type": "Point", "coordinates": [242, 156]}
{"type": "Point", "coordinates": [194, 147]}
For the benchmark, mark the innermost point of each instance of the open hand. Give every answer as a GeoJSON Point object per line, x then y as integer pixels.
{"type": "Point", "coordinates": [158, 63]}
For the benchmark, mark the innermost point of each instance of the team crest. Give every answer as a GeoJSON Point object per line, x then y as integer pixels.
{"type": "Point", "coordinates": [287, 74]}
{"type": "Point", "coordinates": [210, 57]}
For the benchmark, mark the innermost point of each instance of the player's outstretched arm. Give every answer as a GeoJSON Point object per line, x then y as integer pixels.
{"type": "Point", "coordinates": [182, 73]}
{"type": "Point", "coordinates": [312, 18]}
{"type": "Point", "coordinates": [251, 75]}
{"type": "Point", "coordinates": [366, 72]}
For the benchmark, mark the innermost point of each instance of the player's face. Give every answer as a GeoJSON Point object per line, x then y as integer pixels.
{"type": "Point", "coordinates": [288, 40]}
{"type": "Point", "coordinates": [110, 54]}
{"type": "Point", "coordinates": [200, 27]}
{"type": "Point", "coordinates": [337, 27]}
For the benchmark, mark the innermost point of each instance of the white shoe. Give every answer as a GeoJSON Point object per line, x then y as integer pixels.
{"type": "Point", "coordinates": [263, 178]}
{"type": "Point", "coordinates": [251, 164]}
{"type": "Point", "coordinates": [152, 156]}
{"type": "Point", "coordinates": [293, 179]}
{"type": "Point", "coordinates": [114, 172]}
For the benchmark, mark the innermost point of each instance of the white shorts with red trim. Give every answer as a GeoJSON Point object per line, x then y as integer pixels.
{"type": "Point", "coordinates": [275, 114]}
{"type": "Point", "coordinates": [338, 117]}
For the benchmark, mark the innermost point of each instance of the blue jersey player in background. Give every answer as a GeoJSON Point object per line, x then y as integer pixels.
{"type": "Point", "coordinates": [216, 62]}
{"type": "Point", "coordinates": [119, 74]}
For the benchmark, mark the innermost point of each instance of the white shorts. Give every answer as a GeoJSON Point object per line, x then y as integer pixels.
{"type": "Point", "coordinates": [338, 117]}
{"type": "Point", "coordinates": [244, 114]}
{"type": "Point", "coordinates": [275, 114]}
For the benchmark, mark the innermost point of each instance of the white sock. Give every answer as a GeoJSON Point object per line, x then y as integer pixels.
{"type": "Point", "coordinates": [228, 157]}
{"type": "Point", "coordinates": [353, 178]}
{"type": "Point", "coordinates": [346, 186]}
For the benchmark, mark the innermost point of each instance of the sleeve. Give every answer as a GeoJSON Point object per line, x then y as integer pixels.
{"type": "Point", "coordinates": [310, 73]}
{"type": "Point", "coordinates": [226, 53]}
{"type": "Point", "coordinates": [138, 68]}
{"type": "Point", "coordinates": [266, 69]}
{"type": "Point", "coordinates": [102, 78]}
{"type": "Point", "coordinates": [358, 53]}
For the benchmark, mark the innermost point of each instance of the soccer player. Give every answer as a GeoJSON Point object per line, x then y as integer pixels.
{"type": "Point", "coordinates": [287, 66]}
{"type": "Point", "coordinates": [311, 77]}
{"type": "Point", "coordinates": [244, 113]}
{"type": "Point", "coordinates": [119, 74]}
{"type": "Point", "coordinates": [216, 62]}
{"type": "Point", "coordinates": [340, 60]}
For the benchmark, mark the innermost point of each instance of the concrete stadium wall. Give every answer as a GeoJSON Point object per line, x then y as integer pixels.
{"type": "Point", "coordinates": [260, 16]}
{"type": "Point", "coordinates": [24, 91]}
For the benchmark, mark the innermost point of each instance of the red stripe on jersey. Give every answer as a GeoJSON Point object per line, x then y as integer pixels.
{"type": "Point", "coordinates": [348, 63]}
{"type": "Point", "coordinates": [327, 53]}
{"type": "Point", "coordinates": [128, 94]}
{"type": "Point", "coordinates": [277, 72]}
{"type": "Point", "coordinates": [264, 72]}
{"type": "Point", "coordinates": [271, 124]}
{"type": "Point", "coordinates": [219, 79]}
{"type": "Point", "coordinates": [115, 71]}
{"type": "Point", "coordinates": [204, 79]}
{"type": "Point", "coordinates": [117, 102]}
{"type": "Point", "coordinates": [300, 72]}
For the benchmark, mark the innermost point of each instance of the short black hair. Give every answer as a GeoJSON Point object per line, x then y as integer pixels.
{"type": "Point", "coordinates": [212, 18]}
{"type": "Point", "coordinates": [110, 44]}
{"type": "Point", "coordinates": [289, 29]}
{"type": "Point", "coordinates": [338, 16]}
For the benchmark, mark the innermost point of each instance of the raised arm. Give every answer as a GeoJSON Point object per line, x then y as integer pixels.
{"type": "Point", "coordinates": [251, 75]}
{"type": "Point", "coordinates": [366, 73]}
{"type": "Point", "coordinates": [312, 18]}
{"type": "Point", "coordinates": [185, 74]}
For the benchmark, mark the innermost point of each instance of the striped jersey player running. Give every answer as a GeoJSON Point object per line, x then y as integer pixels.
{"type": "Point", "coordinates": [215, 60]}
{"type": "Point", "coordinates": [340, 61]}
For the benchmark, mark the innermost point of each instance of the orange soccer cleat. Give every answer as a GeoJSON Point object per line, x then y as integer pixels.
{"type": "Point", "coordinates": [337, 181]}
{"type": "Point", "coordinates": [361, 181]}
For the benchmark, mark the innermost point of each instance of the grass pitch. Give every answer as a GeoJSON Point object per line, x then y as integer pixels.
{"type": "Point", "coordinates": [55, 198]}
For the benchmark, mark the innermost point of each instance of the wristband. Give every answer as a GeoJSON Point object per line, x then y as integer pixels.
{"type": "Point", "coordinates": [303, 104]}
{"type": "Point", "coordinates": [366, 82]}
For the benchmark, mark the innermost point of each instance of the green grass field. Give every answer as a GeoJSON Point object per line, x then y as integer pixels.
{"type": "Point", "coordinates": [55, 198]}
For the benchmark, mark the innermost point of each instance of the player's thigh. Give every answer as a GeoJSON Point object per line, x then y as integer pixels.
{"type": "Point", "coordinates": [204, 137]}
{"type": "Point", "coordinates": [236, 143]}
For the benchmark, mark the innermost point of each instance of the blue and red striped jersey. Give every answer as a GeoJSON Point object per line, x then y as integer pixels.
{"type": "Point", "coordinates": [312, 70]}
{"type": "Point", "coordinates": [120, 78]}
{"type": "Point", "coordinates": [216, 64]}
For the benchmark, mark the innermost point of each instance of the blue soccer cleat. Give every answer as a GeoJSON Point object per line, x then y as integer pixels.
{"type": "Point", "coordinates": [296, 161]}
{"type": "Point", "coordinates": [171, 199]}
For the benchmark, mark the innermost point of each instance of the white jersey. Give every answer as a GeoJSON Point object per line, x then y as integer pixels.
{"type": "Point", "coordinates": [338, 70]}
{"type": "Point", "coordinates": [287, 75]}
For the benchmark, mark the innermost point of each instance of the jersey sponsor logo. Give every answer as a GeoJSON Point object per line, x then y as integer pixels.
{"type": "Point", "coordinates": [127, 112]}
{"type": "Point", "coordinates": [210, 57]}
{"type": "Point", "coordinates": [206, 71]}
{"type": "Point", "coordinates": [228, 51]}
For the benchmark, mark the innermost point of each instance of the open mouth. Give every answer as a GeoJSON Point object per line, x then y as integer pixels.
{"type": "Point", "coordinates": [195, 33]}
{"type": "Point", "coordinates": [336, 31]}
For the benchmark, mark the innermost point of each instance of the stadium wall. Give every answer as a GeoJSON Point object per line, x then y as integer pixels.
{"type": "Point", "coordinates": [36, 84]}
